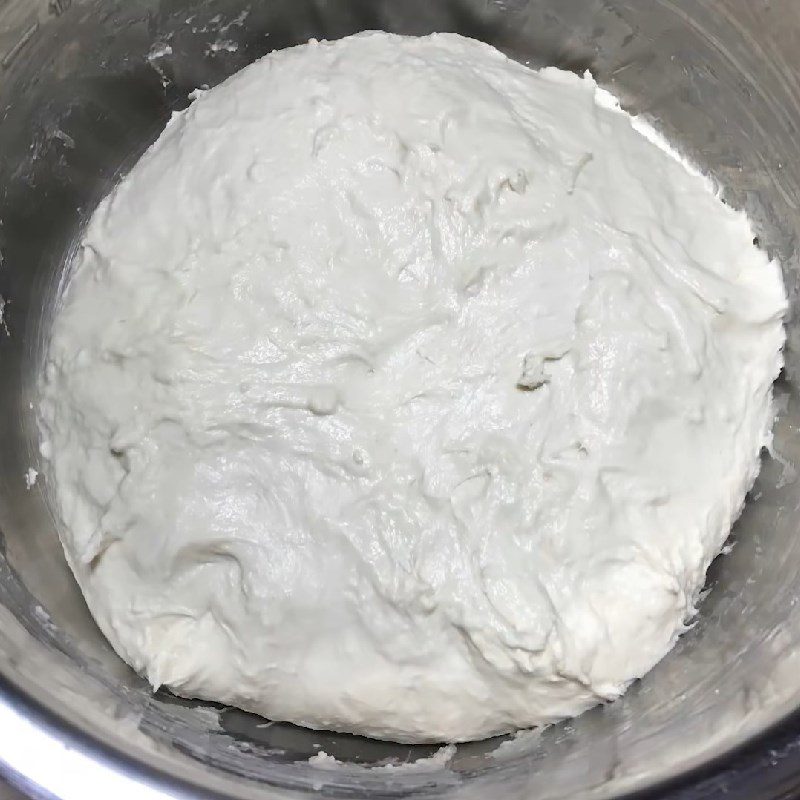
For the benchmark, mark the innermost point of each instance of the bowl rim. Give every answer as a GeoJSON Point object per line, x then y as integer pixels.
{"type": "Point", "coordinates": [764, 767]}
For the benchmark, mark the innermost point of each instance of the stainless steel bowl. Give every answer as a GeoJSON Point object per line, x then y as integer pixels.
{"type": "Point", "coordinates": [85, 86]}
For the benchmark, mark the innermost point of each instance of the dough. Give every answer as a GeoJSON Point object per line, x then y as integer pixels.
{"type": "Point", "coordinates": [401, 390]}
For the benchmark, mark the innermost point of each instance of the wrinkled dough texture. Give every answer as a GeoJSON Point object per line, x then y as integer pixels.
{"type": "Point", "coordinates": [402, 390]}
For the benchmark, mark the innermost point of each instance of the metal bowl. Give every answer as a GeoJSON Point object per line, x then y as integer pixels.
{"type": "Point", "coordinates": [85, 86]}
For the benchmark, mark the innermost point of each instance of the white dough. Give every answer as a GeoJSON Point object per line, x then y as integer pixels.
{"type": "Point", "coordinates": [402, 390]}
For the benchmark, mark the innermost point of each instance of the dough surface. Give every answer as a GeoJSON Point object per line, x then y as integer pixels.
{"type": "Point", "coordinates": [401, 390]}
